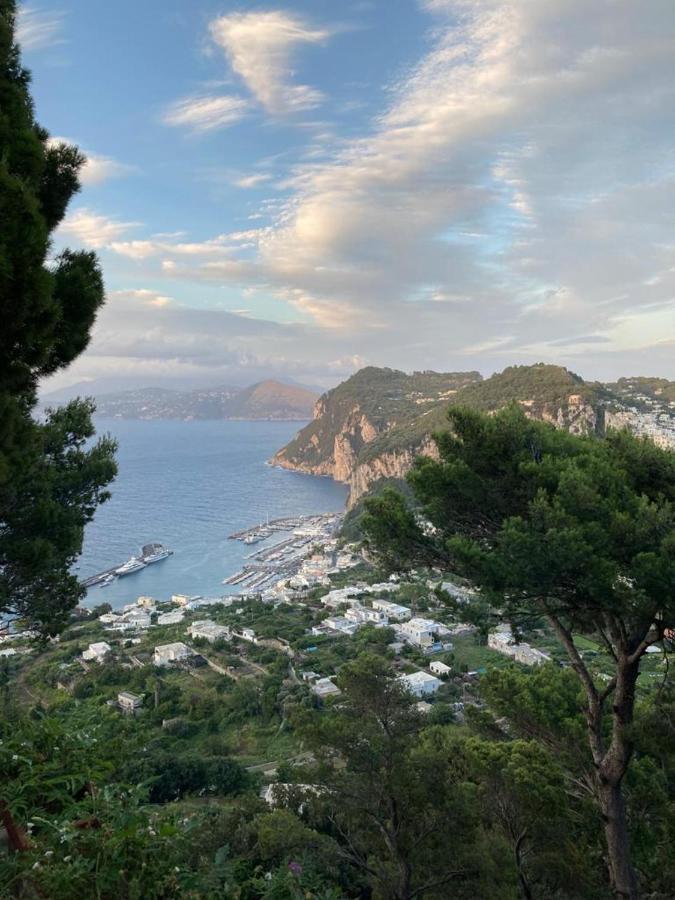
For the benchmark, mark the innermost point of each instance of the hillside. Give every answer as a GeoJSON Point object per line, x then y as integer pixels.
{"type": "Point", "coordinates": [374, 424]}
{"type": "Point", "coordinates": [265, 400]}
{"type": "Point", "coordinates": [356, 412]}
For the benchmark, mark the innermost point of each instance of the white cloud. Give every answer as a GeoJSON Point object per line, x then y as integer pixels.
{"type": "Point", "coordinates": [513, 202]}
{"type": "Point", "coordinates": [97, 168]}
{"type": "Point", "coordinates": [146, 296]}
{"type": "Point", "coordinates": [259, 46]}
{"type": "Point", "coordinates": [94, 230]}
{"type": "Point", "coordinates": [252, 181]}
{"type": "Point", "coordinates": [206, 112]}
{"type": "Point", "coordinates": [37, 28]}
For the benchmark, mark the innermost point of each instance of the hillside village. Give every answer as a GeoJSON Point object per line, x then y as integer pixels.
{"type": "Point", "coordinates": [297, 633]}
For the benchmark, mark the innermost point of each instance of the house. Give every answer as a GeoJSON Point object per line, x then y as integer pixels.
{"type": "Point", "coordinates": [339, 596]}
{"type": "Point", "coordinates": [363, 615]}
{"type": "Point", "coordinates": [324, 687]}
{"type": "Point", "coordinates": [421, 684]}
{"type": "Point", "coordinates": [145, 601]}
{"type": "Point", "coordinates": [96, 652]}
{"type": "Point", "coordinates": [393, 610]}
{"type": "Point", "coordinates": [309, 675]}
{"type": "Point", "coordinates": [247, 634]}
{"type": "Point", "coordinates": [184, 599]}
{"type": "Point", "coordinates": [166, 654]}
{"type": "Point", "coordinates": [421, 632]}
{"type": "Point", "coordinates": [502, 641]}
{"type": "Point", "coordinates": [341, 624]}
{"type": "Point", "coordinates": [439, 668]}
{"type": "Point", "coordinates": [129, 702]}
{"type": "Point", "coordinates": [171, 618]}
{"type": "Point", "coordinates": [207, 629]}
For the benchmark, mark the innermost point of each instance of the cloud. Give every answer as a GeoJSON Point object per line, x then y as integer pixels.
{"type": "Point", "coordinates": [37, 28]}
{"type": "Point", "coordinates": [94, 230]}
{"type": "Point", "coordinates": [252, 181]}
{"type": "Point", "coordinates": [97, 168]}
{"type": "Point", "coordinates": [146, 296]}
{"type": "Point", "coordinates": [206, 113]}
{"type": "Point", "coordinates": [513, 201]}
{"type": "Point", "coordinates": [259, 47]}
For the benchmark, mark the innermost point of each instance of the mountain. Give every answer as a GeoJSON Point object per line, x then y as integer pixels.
{"type": "Point", "coordinates": [373, 425]}
{"type": "Point", "coordinates": [265, 400]}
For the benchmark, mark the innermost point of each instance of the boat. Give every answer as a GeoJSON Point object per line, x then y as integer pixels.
{"type": "Point", "coordinates": [130, 566]}
{"type": "Point", "coordinates": [108, 579]}
{"type": "Point", "coordinates": [152, 553]}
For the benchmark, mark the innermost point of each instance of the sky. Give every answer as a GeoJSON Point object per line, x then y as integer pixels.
{"type": "Point", "coordinates": [300, 189]}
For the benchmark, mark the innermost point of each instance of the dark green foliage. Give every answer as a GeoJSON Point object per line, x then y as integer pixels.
{"type": "Point", "coordinates": [51, 477]}
{"type": "Point", "coordinates": [579, 530]}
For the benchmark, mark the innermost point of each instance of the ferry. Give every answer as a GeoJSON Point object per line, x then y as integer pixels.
{"type": "Point", "coordinates": [152, 553]}
{"type": "Point", "coordinates": [132, 565]}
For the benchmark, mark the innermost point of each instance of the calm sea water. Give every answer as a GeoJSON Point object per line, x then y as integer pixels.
{"type": "Point", "coordinates": [189, 485]}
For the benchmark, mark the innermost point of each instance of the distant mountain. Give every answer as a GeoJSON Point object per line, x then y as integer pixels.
{"type": "Point", "coordinates": [373, 425]}
{"type": "Point", "coordinates": [266, 400]}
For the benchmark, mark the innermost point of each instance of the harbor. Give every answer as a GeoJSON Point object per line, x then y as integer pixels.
{"type": "Point", "coordinates": [283, 558]}
{"type": "Point", "coordinates": [149, 554]}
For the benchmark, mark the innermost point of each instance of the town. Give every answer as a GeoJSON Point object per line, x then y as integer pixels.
{"type": "Point", "coordinates": [318, 605]}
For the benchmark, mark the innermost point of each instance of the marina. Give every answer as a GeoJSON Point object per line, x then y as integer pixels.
{"type": "Point", "coordinates": [284, 558]}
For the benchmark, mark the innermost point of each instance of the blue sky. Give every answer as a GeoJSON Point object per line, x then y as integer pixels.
{"type": "Point", "coordinates": [301, 189]}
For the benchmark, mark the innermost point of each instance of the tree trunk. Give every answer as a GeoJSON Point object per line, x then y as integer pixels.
{"type": "Point", "coordinates": [622, 874]}
{"type": "Point", "coordinates": [610, 778]}
{"type": "Point", "coordinates": [16, 836]}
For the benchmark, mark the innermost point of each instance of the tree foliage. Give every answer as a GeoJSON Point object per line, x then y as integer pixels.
{"type": "Point", "coordinates": [578, 530]}
{"type": "Point", "coordinates": [51, 477]}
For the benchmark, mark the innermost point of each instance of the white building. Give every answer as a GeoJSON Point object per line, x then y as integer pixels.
{"type": "Point", "coordinates": [362, 615]}
{"type": "Point", "coordinates": [339, 596]}
{"type": "Point", "coordinates": [421, 684]}
{"type": "Point", "coordinates": [439, 668]}
{"type": "Point", "coordinates": [341, 624]}
{"type": "Point", "coordinates": [166, 654]}
{"type": "Point", "coordinates": [502, 641]}
{"type": "Point", "coordinates": [421, 632]}
{"type": "Point", "coordinates": [129, 702]}
{"type": "Point", "coordinates": [324, 687]}
{"type": "Point", "coordinates": [207, 629]}
{"type": "Point", "coordinates": [247, 634]}
{"type": "Point", "coordinates": [171, 618]}
{"type": "Point", "coordinates": [96, 652]}
{"type": "Point", "coordinates": [393, 610]}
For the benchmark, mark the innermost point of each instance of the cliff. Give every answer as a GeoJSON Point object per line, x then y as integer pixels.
{"type": "Point", "coordinates": [372, 426]}
{"type": "Point", "coordinates": [359, 411]}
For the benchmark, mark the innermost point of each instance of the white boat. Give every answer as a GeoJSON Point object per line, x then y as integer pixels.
{"type": "Point", "coordinates": [152, 553]}
{"type": "Point", "coordinates": [132, 565]}
{"type": "Point", "coordinates": [106, 581]}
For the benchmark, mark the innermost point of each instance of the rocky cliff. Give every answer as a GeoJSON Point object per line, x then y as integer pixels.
{"type": "Point", "coordinates": [373, 426]}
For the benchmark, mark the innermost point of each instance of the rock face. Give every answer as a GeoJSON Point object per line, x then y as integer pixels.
{"type": "Point", "coordinates": [374, 425]}
{"type": "Point", "coordinates": [391, 464]}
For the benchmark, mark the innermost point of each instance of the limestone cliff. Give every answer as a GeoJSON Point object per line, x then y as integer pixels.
{"type": "Point", "coordinates": [373, 426]}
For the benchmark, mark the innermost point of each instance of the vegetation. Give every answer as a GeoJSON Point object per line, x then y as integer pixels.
{"type": "Point", "coordinates": [578, 530]}
{"type": "Point", "coordinates": [51, 477]}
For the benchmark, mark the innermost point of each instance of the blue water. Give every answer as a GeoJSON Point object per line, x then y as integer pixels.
{"type": "Point", "coordinates": [189, 485]}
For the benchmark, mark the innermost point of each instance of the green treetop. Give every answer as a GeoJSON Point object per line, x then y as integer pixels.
{"type": "Point", "coordinates": [50, 483]}
{"type": "Point", "coordinates": [578, 530]}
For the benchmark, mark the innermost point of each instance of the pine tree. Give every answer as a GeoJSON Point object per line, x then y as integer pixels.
{"type": "Point", "coordinates": [51, 478]}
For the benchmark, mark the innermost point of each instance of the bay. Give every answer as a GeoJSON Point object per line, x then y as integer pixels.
{"type": "Point", "coordinates": [189, 485]}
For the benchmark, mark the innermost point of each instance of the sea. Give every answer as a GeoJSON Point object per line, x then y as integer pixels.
{"type": "Point", "coordinates": [189, 485]}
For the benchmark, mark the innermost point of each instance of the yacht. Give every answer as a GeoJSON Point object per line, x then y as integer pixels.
{"type": "Point", "coordinates": [132, 565]}
{"type": "Point", "coordinates": [152, 553]}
